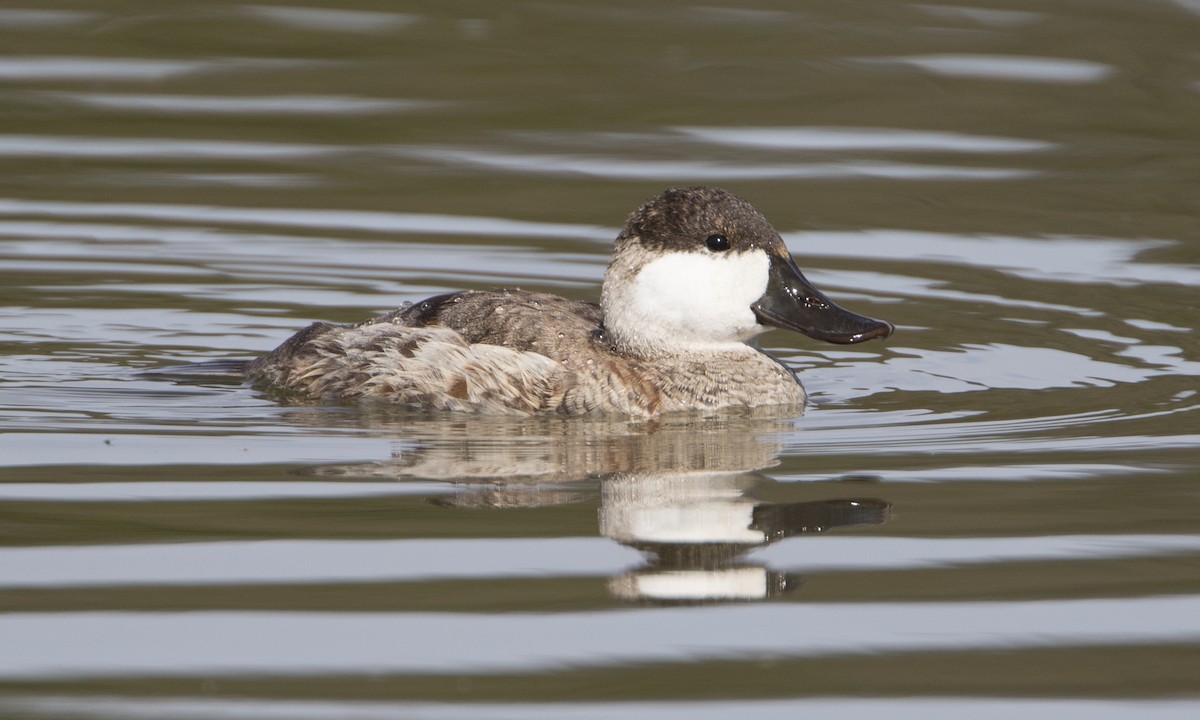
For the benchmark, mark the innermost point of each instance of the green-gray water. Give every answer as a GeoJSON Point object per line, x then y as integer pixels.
{"type": "Point", "coordinates": [1006, 490]}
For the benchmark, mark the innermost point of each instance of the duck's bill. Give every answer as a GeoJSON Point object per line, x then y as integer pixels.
{"type": "Point", "coordinates": [791, 302]}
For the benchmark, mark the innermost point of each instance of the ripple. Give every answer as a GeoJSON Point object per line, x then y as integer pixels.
{"type": "Point", "coordinates": [840, 139]}
{"type": "Point", "coordinates": [749, 16]}
{"type": "Point", "coordinates": [908, 706]}
{"type": "Point", "coordinates": [984, 16]}
{"type": "Point", "coordinates": [266, 562]}
{"type": "Point", "coordinates": [256, 105]}
{"type": "Point", "coordinates": [214, 491]}
{"type": "Point", "coordinates": [230, 643]}
{"type": "Point", "coordinates": [63, 448]}
{"type": "Point", "coordinates": [26, 18]}
{"type": "Point", "coordinates": [96, 68]}
{"type": "Point", "coordinates": [965, 439]}
{"type": "Point", "coordinates": [838, 554]}
{"type": "Point", "coordinates": [348, 21]}
{"type": "Point", "coordinates": [999, 366]}
{"type": "Point", "coordinates": [371, 221]}
{"type": "Point", "coordinates": [54, 68]}
{"type": "Point", "coordinates": [1157, 326]}
{"type": "Point", "coordinates": [307, 561]}
{"type": "Point", "coordinates": [243, 180]}
{"type": "Point", "coordinates": [1053, 258]}
{"type": "Point", "coordinates": [91, 147]}
{"type": "Point", "coordinates": [907, 286]}
{"type": "Point", "coordinates": [41, 244]}
{"type": "Point", "coordinates": [698, 170]}
{"type": "Point", "coordinates": [1006, 67]}
{"type": "Point", "coordinates": [991, 473]}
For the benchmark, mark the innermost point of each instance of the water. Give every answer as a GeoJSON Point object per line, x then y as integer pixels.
{"type": "Point", "coordinates": [993, 513]}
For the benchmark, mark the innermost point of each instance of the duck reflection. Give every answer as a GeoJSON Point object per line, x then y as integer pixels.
{"type": "Point", "coordinates": [686, 492]}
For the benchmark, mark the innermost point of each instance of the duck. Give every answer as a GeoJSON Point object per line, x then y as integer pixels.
{"type": "Point", "coordinates": [696, 275]}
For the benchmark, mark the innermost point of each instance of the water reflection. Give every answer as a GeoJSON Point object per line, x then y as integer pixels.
{"type": "Point", "coordinates": [686, 494]}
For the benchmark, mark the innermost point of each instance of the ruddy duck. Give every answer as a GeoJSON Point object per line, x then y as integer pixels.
{"type": "Point", "coordinates": [695, 275]}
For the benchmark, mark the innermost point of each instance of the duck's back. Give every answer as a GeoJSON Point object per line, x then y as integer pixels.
{"type": "Point", "coordinates": [517, 319]}
{"type": "Point", "coordinates": [495, 351]}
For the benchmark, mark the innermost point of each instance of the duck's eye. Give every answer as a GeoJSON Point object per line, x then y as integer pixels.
{"type": "Point", "coordinates": [717, 243]}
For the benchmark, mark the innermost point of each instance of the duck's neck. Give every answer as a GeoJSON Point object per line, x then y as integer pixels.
{"type": "Point", "coordinates": [649, 349]}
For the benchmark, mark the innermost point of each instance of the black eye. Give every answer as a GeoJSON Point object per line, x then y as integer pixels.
{"type": "Point", "coordinates": [717, 243]}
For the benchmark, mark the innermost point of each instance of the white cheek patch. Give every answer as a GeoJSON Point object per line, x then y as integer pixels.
{"type": "Point", "coordinates": [695, 297]}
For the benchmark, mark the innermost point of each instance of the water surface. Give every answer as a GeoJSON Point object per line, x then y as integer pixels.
{"type": "Point", "coordinates": [993, 513]}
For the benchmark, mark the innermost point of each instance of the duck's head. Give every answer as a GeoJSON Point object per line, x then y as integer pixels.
{"type": "Point", "coordinates": [700, 268]}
